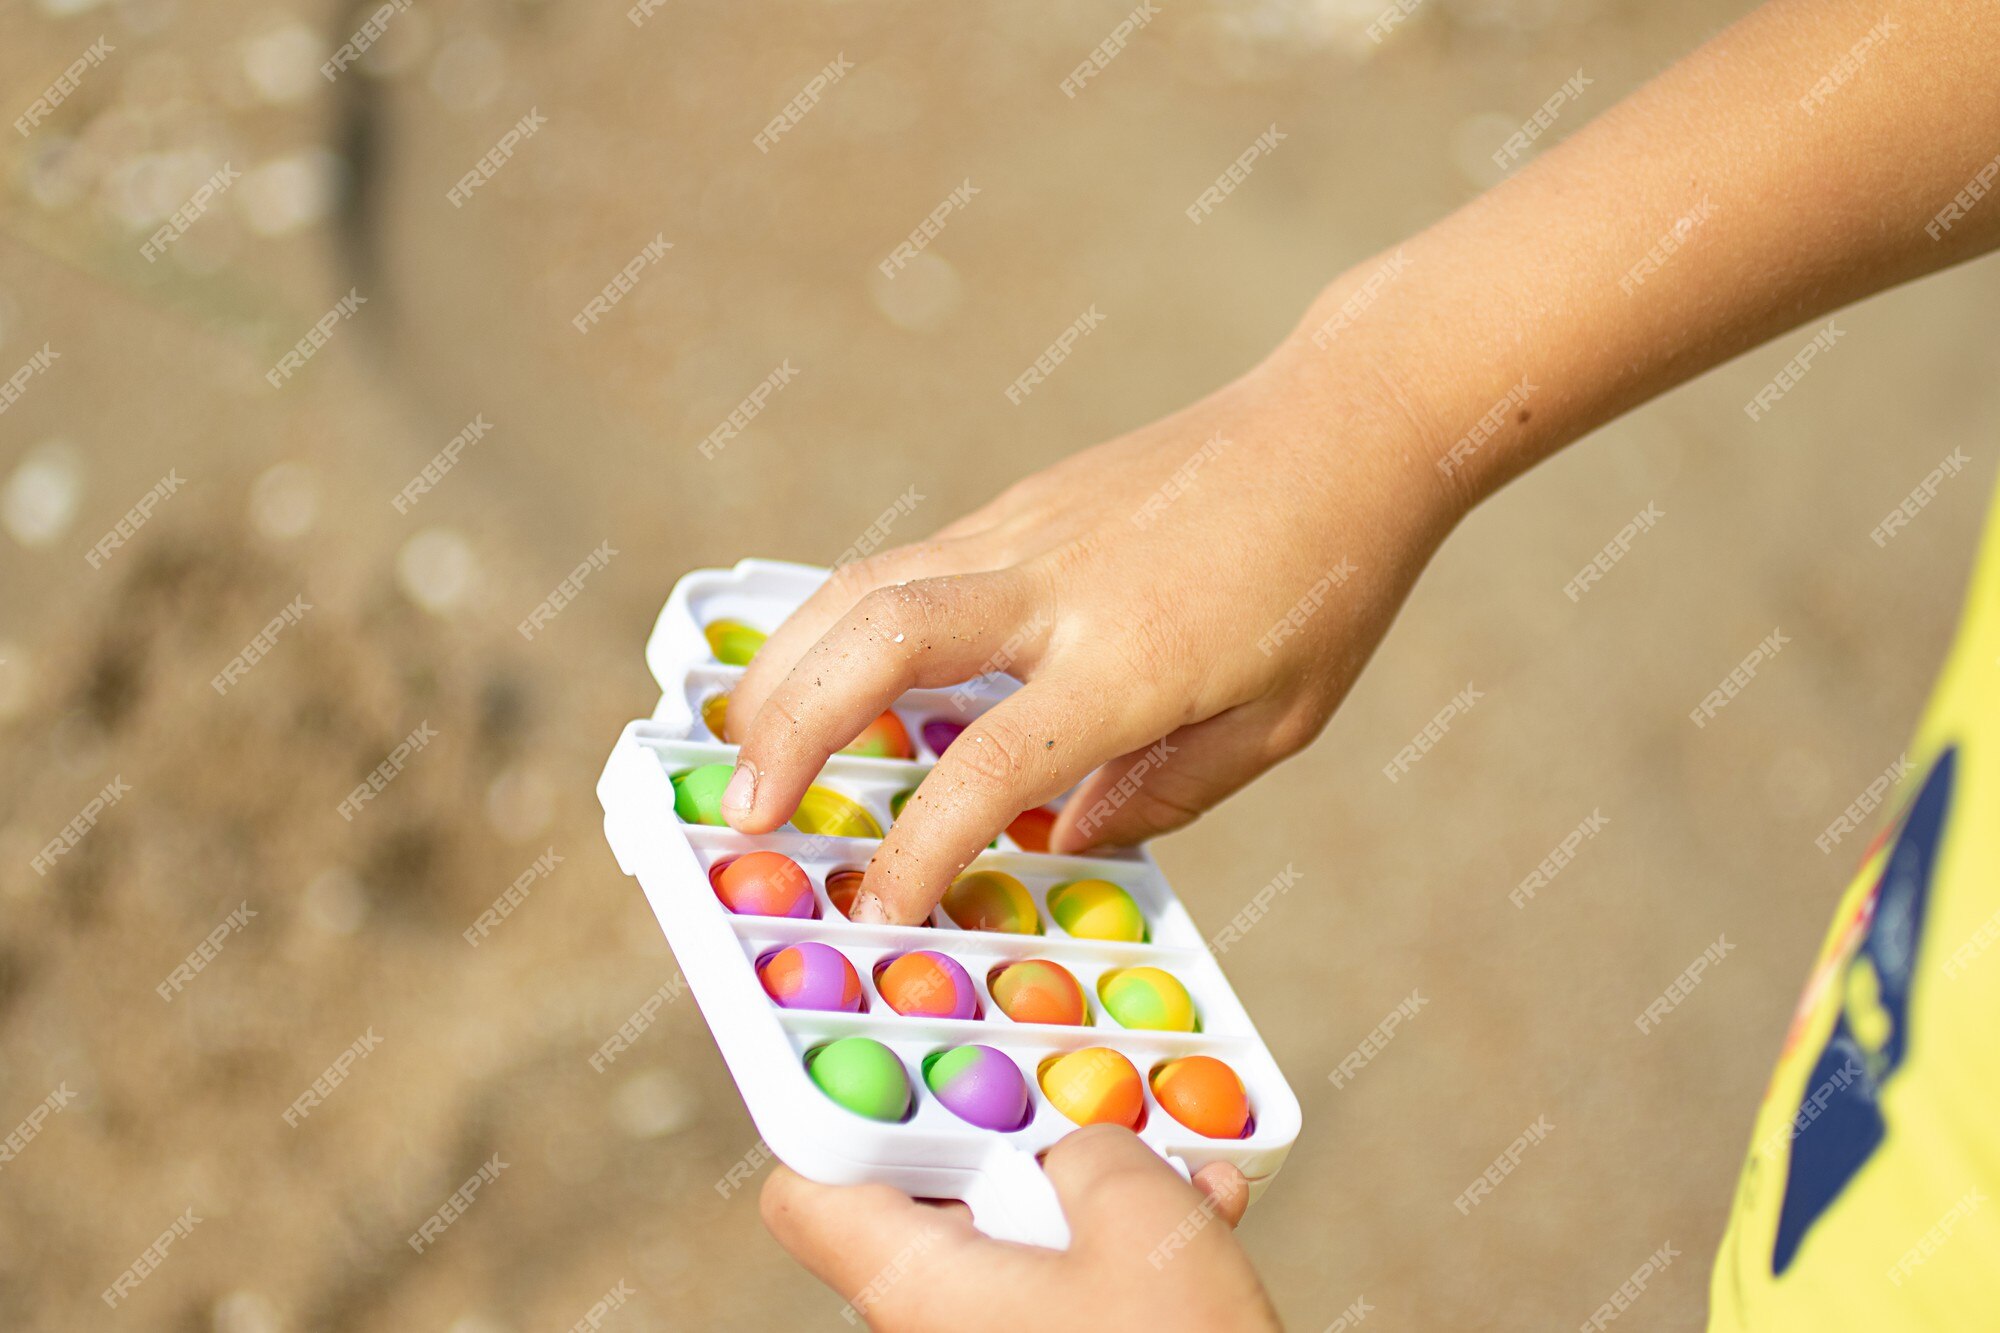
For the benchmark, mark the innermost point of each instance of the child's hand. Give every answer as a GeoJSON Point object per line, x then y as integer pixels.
{"type": "Point", "coordinates": [1143, 588]}
{"type": "Point", "coordinates": [1216, 579]}
{"type": "Point", "coordinates": [1147, 1250]}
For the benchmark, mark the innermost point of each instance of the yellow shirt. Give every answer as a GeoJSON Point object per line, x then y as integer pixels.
{"type": "Point", "coordinates": [1867, 1199]}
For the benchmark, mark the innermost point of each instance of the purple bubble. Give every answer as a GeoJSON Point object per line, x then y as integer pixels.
{"type": "Point", "coordinates": [980, 1086]}
{"type": "Point", "coordinates": [940, 732]}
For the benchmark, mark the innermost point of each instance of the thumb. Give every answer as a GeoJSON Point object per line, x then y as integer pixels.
{"type": "Point", "coordinates": [1121, 1196]}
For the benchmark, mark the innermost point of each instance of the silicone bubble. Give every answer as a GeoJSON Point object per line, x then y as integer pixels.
{"type": "Point", "coordinates": [927, 984]}
{"type": "Point", "coordinates": [811, 975]}
{"type": "Point", "coordinates": [733, 642]}
{"type": "Point", "coordinates": [715, 714]}
{"type": "Point", "coordinates": [885, 738]}
{"type": "Point", "coordinates": [841, 886]}
{"type": "Point", "coordinates": [1097, 909]}
{"type": "Point", "coordinates": [991, 900]}
{"type": "Point", "coordinates": [939, 733]}
{"type": "Point", "coordinates": [1147, 998]}
{"type": "Point", "coordinates": [862, 1075]}
{"type": "Point", "coordinates": [698, 793]}
{"type": "Point", "coordinates": [1031, 828]}
{"type": "Point", "coordinates": [824, 811]}
{"type": "Point", "coordinates": [762, 884]}
{"type": "Point", "coordinates": [980, 1086]}
{"type": "Point", "coordinates": [1204, 1094]}
{"type": "Point", "coordinates": [1036, 990]}
{"type": "Point", "coordinates": [1095, 1086]}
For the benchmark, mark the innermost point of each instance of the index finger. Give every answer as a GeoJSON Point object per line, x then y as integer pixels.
{"type": "Point", "coordinates": [1031, 746]}
{"type": "Point", "coordinates": [929, 632]}
{"type": "Point", "coordinates": [810, 621]}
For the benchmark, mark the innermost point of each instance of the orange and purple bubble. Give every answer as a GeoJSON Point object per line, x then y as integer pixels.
{"type": "Point", "coordinates": [927, 984]}
{"type": "Point", "coordinates": [811, 975]}
{"type": "Point", "coordinates": [762, 884]}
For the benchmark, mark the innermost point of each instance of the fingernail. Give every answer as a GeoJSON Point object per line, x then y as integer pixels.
{"type": "Point", "coordinates": [868, 910]}
{"type": "Point", "coordinates": [741, 791]}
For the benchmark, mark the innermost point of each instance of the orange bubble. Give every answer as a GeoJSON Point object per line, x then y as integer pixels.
{"type": "Point", "coordinates": [1204, 1094]}
{"type": "Point", "coordinates": [715, 714]}
{"type": "Point", "coordinates": [884, 738]}
{"type": "Point", "coordinates": [1095, 1086]}
{"type": "Point", "coordinates": [1031, 828]}
{"type": "Point", "coordinates": [841, 886]}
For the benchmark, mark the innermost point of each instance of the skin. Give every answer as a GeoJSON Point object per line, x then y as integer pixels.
{"type": "Point", "coordinates": [1136, 1226]}
{"type": "Point", "coordinates": [1350, 455]}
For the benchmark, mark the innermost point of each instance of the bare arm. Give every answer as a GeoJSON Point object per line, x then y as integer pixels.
{"type": "Point", "coordinates": [1816, 152]}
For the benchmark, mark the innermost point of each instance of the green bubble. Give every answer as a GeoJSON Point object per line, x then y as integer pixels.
{"type": "Point", "coordinates": [698, 793]}
{"type": "Point", "coordinates": [862, 1075]}
{"type": "Point", "coordinates": [733, 642]}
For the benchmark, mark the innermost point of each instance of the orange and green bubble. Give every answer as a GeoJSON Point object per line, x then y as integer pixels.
{"type": "Point", "coordinates": [991, 900]}
{"type": "Point", "coordinates": [1036, 990]}
{"type": "Point", "coordinates": [1148, 999]}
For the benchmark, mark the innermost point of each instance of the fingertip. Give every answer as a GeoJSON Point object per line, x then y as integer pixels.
{"type": "Point", "coordinates": [1226, 1188]}
{"type": "Point", "coordinates": [1064, 840]}
{"type": "Point", "coordinates": [777, 1201]}
{"type": "Point", "coordinates": [739, 797]}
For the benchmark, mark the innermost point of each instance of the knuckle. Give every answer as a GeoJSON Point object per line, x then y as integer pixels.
{"type": "Point", "coordinates": [777, 723]}
{"type": "Point", "coordinates": [900, 614]}
{"type": "Point", "coordinates": [989, 758]}
{"type": "Point", "coordinates": [857, 578]}
{"type": "Point", "coordinates": [1154, 643]}
{"type": "Point", "coordinates": [1156, 808]}
{"type": "Point", "coordinates": [1293, 732]}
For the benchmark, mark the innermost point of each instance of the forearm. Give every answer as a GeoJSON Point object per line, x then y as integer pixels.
{"type": "Point", "coordinates": [1708, 212]}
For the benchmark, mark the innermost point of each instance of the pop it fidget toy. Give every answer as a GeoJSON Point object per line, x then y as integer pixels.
{"type": "Point", "coordinates": [1044, 992]}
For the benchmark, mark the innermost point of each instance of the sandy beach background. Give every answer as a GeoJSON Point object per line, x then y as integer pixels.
{"type": "Point", "coordinates": [284, 494]}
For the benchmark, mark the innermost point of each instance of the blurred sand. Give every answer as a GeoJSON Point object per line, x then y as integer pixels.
{"type": "Point", "coordinates": [612, 1176]}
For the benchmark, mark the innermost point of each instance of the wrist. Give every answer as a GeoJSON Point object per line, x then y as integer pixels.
{"type": "Point", "coordinates": [1453, 388]}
